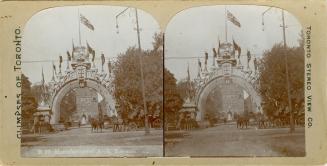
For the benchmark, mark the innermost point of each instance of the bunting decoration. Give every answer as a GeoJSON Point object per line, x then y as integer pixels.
{"type": "Point", "coordinates": [86, 22]}
{"type": "Point", "coordinates": [233, 19]}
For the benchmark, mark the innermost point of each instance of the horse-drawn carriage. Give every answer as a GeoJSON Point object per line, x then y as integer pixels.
{"type": "Point", "coordinates": [262, 121]}
{"type": "Point", "coordinates": [133, 124]}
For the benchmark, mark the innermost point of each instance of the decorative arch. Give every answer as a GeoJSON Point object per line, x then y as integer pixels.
{"type": "Point", "coordinates": [73, 84]}
{"type": "Point", "coordinates": [204, 91]}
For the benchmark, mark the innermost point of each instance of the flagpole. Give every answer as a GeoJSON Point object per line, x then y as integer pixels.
{"type": "Point", "coordinates": [189, 80]}
{"type": "Point", "coordinates": [79, 27]}
{"type": "Point", "coordinates": [225, 24]}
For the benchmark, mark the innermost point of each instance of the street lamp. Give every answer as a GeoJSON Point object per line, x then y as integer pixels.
{"type": "Point", "coordinates": [147, 131]}
{"type": "Point", "coordinates": [292, 128]}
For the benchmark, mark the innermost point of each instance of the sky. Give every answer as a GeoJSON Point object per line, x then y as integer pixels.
{"type": "Point", "coordinates": [50, 33]}
{"type": "Point", "coordinates": [193, 31]}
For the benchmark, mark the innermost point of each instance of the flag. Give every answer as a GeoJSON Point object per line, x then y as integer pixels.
{"type": "Point", "coordinates": [102, 59]}
{"type": "Point", "coordinates": [73, 49]}
{"type": "Point", "coordinates": [238, 48]}
{"type": "Point", "coordinates": [200, 68]}
{"type": "Point", "coordinates": [233, 19]}
{"type": "Point", "coordinates": [109, 66]}
{"type": "Point", "coordinates": [90, 50]}
{"type": "Point", "coordinates": [54, 67]}
{"type": "Point", "coordinates": [255, 64]}
{"type": "Point", "coordinates": [214, 52]}
{"type": "Point", "coordinates": [86, 22]}
{"type": "Point", "coordinates": [68, 56]}
{"type": "Point", "coordinates": [218, 48]}
{"type": "Point", "coordinates": [249, 56]}
{"type": "Point", "coordinates": [73, 45]}
{"type": "Point", "coordinates": [60, 61]}
{"type": "Point", "coordinates": [206, 58]}
{"type": "Point", "coordinates": [214, 56]}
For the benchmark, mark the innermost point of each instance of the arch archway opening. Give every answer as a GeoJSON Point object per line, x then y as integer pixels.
{"type": "Point", "coordinates": [81, 104]}
{"type": "Point", "coordinates": [92, 101]}
{"type": "Point", "coordinates": [225, 98]}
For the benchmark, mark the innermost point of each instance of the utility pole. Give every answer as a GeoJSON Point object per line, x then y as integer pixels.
{"type": "Point", "coordinates": [146, 121]}
{"type": "Point", "coordinates": [287, 78]}
{"type": "Point", "coordinates": [292, 128]}
{"type": "Point", "coordinates": [147, 131]}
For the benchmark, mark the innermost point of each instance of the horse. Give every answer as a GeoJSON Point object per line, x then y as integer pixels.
{"type": "Point", "coordinates": [96, 124]}
{"type": "Point", "coordinates": [242, 121]}
{"type": "Point", "coordinates": [119, 125]}
{"type": "Point", "coordinates": [261, 122]}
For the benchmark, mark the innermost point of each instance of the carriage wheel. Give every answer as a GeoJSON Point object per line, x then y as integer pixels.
{"type": "Point", "coordinates": [156, 124]}
{"type": "Point", "coordinates": [132, 126]}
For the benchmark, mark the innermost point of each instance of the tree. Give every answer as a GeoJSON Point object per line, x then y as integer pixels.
{"type": "Point", "coordinates": [184, 87]}
{"type": "Point", "coordinates": [29, 102]}
{"type": "Point", "coordinates": [127, 81]}
{"type": "Point", "coordinates": [40, 91]}
{"type": "Point", "coordinates": [272, 80]}
{"type": "Point", "coordinates": [172, 100]}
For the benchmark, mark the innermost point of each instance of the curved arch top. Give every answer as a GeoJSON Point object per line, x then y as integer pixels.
{"type": "Point", "coordinates": [73, 85]}
{"type": "Point", "coordinates": [203, 93]}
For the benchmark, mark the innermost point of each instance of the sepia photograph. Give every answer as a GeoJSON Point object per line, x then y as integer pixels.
{"type": "Point", "coordinates": [163, 82]}
{"type": "Point", "coordinates": [234, 83]}
{"type": "Point", "coordinates": [92, 83]}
